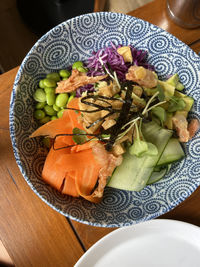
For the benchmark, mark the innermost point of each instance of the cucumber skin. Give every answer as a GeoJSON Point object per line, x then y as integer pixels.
{"type": "Point", "coordinates": [172, 153]}
{"type": "Point", "coordinates": [134, 172]}
{"type": "Point", "coordinates": [156, 176]}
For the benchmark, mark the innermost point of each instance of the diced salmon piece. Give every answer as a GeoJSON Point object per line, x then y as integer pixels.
{"type": "Point", "coordinates": [193, 127]}
{"type": "Point", "coordinates": [108, 162]}
{"type": "Point", "coordinates": [181, 126]}
{"type": "Point", "coordinates": [142, 76]}
{"type": "Point", "coordinates": [76, 80]}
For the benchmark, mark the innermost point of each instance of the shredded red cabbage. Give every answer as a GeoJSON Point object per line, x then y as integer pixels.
{"type": "Point", "coordinates": [113, 62]}
{"type": "Point", "coordinates": [80, 90]}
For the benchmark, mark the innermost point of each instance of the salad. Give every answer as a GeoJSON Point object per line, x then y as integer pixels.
{"type": "Point", "coordinates": [110, 121]}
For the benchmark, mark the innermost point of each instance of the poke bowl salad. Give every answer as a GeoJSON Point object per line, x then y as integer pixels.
{"type": "Point", "coordinates": [104, 119]}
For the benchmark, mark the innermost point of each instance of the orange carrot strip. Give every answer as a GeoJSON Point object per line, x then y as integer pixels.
{"type": "Point", "coordinates": [86, 179]}
{"type": "Point", "coordinates": [78, 148]}
{"type": "Point", "coordinates": [74, 168]}
{"type": "Point", "coordinates": [51, 173]}
{"type": "Point", "coordinates": [76, 161]}
{"type": "Point", "coordinates": [54, 127]}
{"type": "Point", "coordinates": [72, 174]}
{"type": "Point", "coordinates": [73, 114]}
{"type": "Point", "coordinates": [69, 187]}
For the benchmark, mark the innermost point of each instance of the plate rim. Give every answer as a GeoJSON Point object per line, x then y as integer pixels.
{"type": "Point", "coordinates": [160, 223]}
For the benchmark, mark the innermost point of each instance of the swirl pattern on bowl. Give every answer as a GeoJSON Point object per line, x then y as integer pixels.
{"type": "Point", "coordinates": [74, 40]}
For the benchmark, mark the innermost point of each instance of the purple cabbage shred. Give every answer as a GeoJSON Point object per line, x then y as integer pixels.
{"type": "Point", "coordinates": [113, 62]}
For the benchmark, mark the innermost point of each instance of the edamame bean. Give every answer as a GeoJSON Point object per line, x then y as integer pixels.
{"type": "Point", "coordinates": [54, 118]}
{"type": "Point", "coordinates": [39, 95]}
{"type": "Point", "coordinates": [41, 84]}
{"type": "Point", "coordinates": [44, 120]}
{"type": "Point", "coordinates": [64, 73]}
{"type": "Point", "coordinates": [77, 65]}
{"type": "Point", "coordinates": [53, 76]}
{"type": "Point", "coordinates": [51, 98]}
{"type": "Point", "coordinates": [49, 110]}
{"type": "Point", "coordinates": [39, 114]}
{"type": "Point", "coordinates": [82, 69]}
{"type": "Point", "coordinates": [70, 98]}
{"type": "Point", "coordinates": [49, 83]}
{"type": "Point", "coordinates": [56, 108]}
{"type": "Point", "coordinates": [60, 113]}
{"type": "Point", "coordinates": [61, 100]}
{"type": "Point", "coordinates": [49, 90]}
{"type": "Point", "coordinates": [40, 105]}
{"type": "Point", "coordinates": [64, 79]}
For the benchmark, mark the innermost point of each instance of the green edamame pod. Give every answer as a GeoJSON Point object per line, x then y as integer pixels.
{"type": "Point", "coordinates": [82, 69]}
{"type": "Point", "coordinates": [60, 113]}
{"type": "Point", "coordinates": [77, 65]}
{"type": "Point", "coordinates": [61, 100]}
{"type": "Point", "coordinates": [39, 95]}
{"type": "Point", "coordinates": [53, 76]}
{"type": "Point", "coordinates": [49, 83]}
{"type": "Point", "coordinates": [45, 120]}
{"type": "Point", "coordinates": [49, 110]}
{"type": "Point", "coordinates": [40, 105]}
{"type": "Point", "coordinates": [51, 98]}
{"type": "Point", "coordinates": [64, 73]}
{"type": "Point", "coordinates": [53, 118]}
{"type": "Point", "coordinates": [49, 90]}
{"type": "Point", "coordinates": [70, 98]}
{"type": "Point", "coordinates": [41, 84]}
{"type": "Point", "coordinates": [39, 114]}
{"type": "Point", "coordinates": [56, 108]}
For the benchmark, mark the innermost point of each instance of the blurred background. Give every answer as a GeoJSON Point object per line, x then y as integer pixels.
{"type": "Point", "coordinates": [22, 22]}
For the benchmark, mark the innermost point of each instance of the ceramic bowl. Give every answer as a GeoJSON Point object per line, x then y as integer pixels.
{"type": "Point", "coordinates": [73, 40]}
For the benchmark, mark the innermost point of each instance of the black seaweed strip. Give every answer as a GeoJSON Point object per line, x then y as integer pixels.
{"type": "Point", "coordinates": [123, 115]}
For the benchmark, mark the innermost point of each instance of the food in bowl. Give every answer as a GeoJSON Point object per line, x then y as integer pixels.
{"type": "Point", "coordinates": [110, 121]}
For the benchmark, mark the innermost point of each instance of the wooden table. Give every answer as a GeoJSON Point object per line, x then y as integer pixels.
{"type": "Point", "coordinates": [32, 232]}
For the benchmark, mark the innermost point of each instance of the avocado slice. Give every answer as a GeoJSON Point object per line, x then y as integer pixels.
{"type": "Point", "coordinates": [175, 81]}
{"type": "Point", "coordinates": [168, 89]}
{"type": "Point", "coordinates": [168, 122]}
{"type": "Point", "coordinates": [150, 91]}
{"type": "Point", "coordinates": [179, 86]}
{"type": "Point", "coordinates": [165, 105]}
{"type": "Point", "coordinates": [137, 90]}
{"type": "Point", "coordinates": [138, 101]}
{"type": "Point", "coordinates": [189, 101]}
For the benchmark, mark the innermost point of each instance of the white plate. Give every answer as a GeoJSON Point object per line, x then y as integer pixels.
{"type": "Point", "coordinates": [156, 243]}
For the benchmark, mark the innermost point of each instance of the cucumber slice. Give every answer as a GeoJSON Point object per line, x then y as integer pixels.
{"type": "Point", "coordinates": [134, 172]}
{"type": "Point", "coordinates": [156, 176]}
{"type": "Point", "coordinates": [173, 152]}
{"type": "Point", "coordinates": [168, 167]}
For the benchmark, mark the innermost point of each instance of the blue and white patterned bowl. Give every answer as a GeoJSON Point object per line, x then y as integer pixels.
{"type": "Point", "coordinates": [75, 40]}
